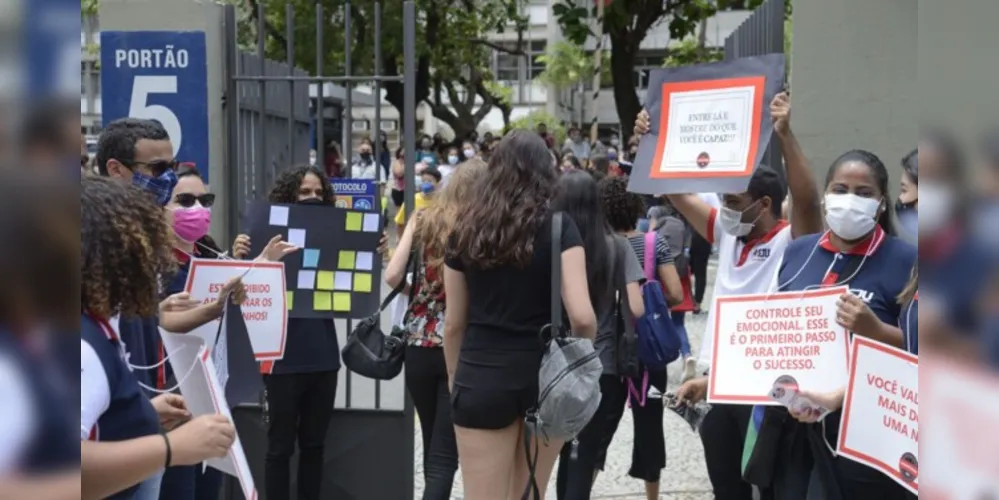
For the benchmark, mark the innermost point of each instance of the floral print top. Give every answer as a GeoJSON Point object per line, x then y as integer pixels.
{"type": "Point", "coordinates": [424, 318]}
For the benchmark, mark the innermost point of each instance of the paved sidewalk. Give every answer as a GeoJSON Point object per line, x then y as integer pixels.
{"type": "Point", "coordinates": [685, 476]}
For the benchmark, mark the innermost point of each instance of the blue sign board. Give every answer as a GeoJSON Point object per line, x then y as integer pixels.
{"type": "Point", "coordinates": [160, 75]}
{"type": "Point", "coordinates": [356, 194]}
{"type": "Point", "coordinates": [51, 52]}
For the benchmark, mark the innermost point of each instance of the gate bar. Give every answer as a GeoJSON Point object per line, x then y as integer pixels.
{"type": "Point", "coordinates": [348, 100]}
{"type": "Point", "coordinates": [289, 29]}
{"type": "Point", "coordinates": [319, 119]}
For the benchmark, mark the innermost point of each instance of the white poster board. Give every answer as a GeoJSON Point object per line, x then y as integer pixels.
{"type": "Point", "coordinates": [760, 338]}
{"type": "Point", "coordinates": [880, 423]}
{"type": "Point", "coordinates": [265, 310]}
{"type": "Point", "coordinates": [203, 395]}
{"type": "Point", "coordinates": [959, 440]}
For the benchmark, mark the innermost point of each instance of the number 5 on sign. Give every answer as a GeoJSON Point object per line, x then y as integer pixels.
{"type": "Point", "coordinates": [145, 86]}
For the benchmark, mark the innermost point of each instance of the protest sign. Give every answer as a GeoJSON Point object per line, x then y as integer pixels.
{"type": "Point", "coordinates": [880, 423]}
{"type": "Point", "coordinates": [709, 126]}
{"type": "Point", "coordinates": [337, 274]}
{"type": "Point", "coordinates": [357, 194]}
{"type": "Point", "coordinates": [958, 442]}
{"type": "Point", "coordinates": [240, 377]}
{"type": "Point", "coordinates": [264, 309]}
{"type": "Point", "coordinates": [766, 338]}
{"type": "Point", "coordinates": [203, 395]}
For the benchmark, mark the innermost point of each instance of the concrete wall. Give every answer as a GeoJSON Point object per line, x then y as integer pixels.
{"type": "Point", "coordinates": [854, 78]}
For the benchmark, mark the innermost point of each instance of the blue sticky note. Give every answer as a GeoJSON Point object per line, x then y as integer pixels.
{"type": "Point", "coordinates": [310, 257]}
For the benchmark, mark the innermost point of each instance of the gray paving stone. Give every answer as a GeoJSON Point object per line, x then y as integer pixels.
{"type": "Point", "coordinates": [685, 476]}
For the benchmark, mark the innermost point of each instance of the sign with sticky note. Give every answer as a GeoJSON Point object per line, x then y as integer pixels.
{"type": "Point", "coordinates": [338, 271]}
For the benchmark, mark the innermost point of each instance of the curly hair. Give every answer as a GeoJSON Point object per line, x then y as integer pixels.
{"type": "Point", "coordinates": [286, 186]}
{"type": "Point", "coordinates": [39, 260]}
{"type": "Point", "coordinates": [623, 209]}
{"type": "Point", "coordinates": [513, 197]}
{"type": "Point", "coordinates": [125, 244]}
{"type": "Point", "coordinates": [436, 222]}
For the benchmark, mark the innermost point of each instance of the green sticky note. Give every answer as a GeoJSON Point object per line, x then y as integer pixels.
{"type": "Point", "coordinates": [362, 282]}
{"type": "Point", "coordinates": [341, 302]}
{"type": "Point", "coordinates": [289, 298]}
{"type": "Point", "coordinates": [322, 301]}
{"type": "Point", "coordinates": [346, 260]}
{"type": "Point", "coordinates": [354, 221]}
{"type": "Point", "coordinates": [324, 280]}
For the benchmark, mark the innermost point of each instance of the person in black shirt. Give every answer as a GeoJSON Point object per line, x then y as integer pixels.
{"type": "Point", "coordinates": [497, 276]}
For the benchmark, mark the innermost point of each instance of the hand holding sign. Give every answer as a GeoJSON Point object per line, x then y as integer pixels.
{"type": "Point", "coordinates": [780, 113]}
{"type": "Point", "coordinates": [275, 250]}
{"type": "Point", "coordinates": [816, 405]}
{"type": "Point", "coordinates": [854, 315]}
{"type": "Point", "coordinates": [241, 246]}
{"type": "Point", "coordinates": [178, 302]}
{"type": "Point", "coordinates": [207, 436]}
{"type": "Point", "coordinates": [642, 123]}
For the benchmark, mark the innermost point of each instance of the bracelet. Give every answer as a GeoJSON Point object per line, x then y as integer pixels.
{"type": "Point", "coordinates": [169, 450]}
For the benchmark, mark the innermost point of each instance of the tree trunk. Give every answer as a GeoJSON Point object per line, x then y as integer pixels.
{"type": "Point", "coordinates": [625, 97]}
{"type": "Point", "coordinates": [395, 91]}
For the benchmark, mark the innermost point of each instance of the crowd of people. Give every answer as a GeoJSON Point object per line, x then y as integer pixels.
{"type": "Point", "coordinates": [476, 260]}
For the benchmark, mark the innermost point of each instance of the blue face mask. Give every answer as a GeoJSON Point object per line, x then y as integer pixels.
{"type": "Point", "coordinates": [453, 159]}
{"type": "Point", "coordinates": [161, 187]}
{"type": "Point", "coordinates": [427, 187]}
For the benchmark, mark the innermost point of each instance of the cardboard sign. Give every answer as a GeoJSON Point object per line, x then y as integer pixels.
{"type": "Point", "coordinates": [709, 126]}
{"type": "Point", "coordinates": [788, 337]}
{"type": "Point", "coordinates": [264, 309]}
{"type": "Point", "coordinates": [357, 194]}
{"type": "Point", "coordinates": [880, 423]}
{"type": "Point", "coordinates": [241, 374]}
{"type": "Point", "coordinates": [337, 274]}
{"type": "Point", "coordinates": [959, 442]}
{"type": "Point", "coordinates": [204, 395]}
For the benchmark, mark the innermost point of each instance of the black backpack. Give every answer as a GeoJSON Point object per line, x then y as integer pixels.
{"type": "Point", "coordinates": [626, 352]}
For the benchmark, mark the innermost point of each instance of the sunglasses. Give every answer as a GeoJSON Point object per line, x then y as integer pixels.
{"type": "Point", "coordinates": [158, 167]}
{"type": "Point", "coordinates": [187, 200]}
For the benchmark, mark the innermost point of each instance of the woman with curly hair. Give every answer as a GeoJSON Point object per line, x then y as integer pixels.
{"type": "Point", "coordinates": [497, 275]}
{"type": "Point", "coordinates": [426, 372]}
{"type": "Point", "coordinates": [125, 248]}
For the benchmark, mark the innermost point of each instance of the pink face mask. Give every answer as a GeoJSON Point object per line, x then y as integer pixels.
{"type": "Point", "coordinates": [192, 224]}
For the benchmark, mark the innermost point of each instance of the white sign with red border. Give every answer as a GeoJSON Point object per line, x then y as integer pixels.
{"type": "Point", "coordinates": [265, 309]}
{"type": "Point", "coordinates": [788, 336]}
{"type": "Point", "coordinates": [880, 423]}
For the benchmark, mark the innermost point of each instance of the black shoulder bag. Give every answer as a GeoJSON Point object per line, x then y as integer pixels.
{"type": "Point", "coordinates": [626, 350]}
{"type": "Point", "coordinates": [371, 353]}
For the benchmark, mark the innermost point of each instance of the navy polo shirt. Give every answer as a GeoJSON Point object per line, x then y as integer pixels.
{"type": "Point", "coordinates": [164, 372]}
{"type": "Point", "coordinates": [128, 414]}
{"type": "Point", "coordinates": [955, 270]}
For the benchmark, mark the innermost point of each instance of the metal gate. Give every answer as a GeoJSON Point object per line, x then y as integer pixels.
{"type": "Point", "coordinates": [272, 109]}
{"type": "Point", "coordinates": [761, 33]}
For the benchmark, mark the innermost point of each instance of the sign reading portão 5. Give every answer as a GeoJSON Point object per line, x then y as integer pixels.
{"type": "Point", "coordinates": [159, 75]}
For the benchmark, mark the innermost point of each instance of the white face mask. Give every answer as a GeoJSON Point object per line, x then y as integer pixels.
{"type": "Point", "coordinates": [731, 221]}
{"type": "Point", "coordinates": [850, 216]}
{"type": "Point", "coordinates": [939, 204]}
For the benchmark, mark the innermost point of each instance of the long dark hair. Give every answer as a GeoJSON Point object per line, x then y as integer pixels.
{"type": "Point", "coordinates": [206, 241]}
{"type": "Point", "coordinates": [286, 186]}
{"type": "Point", "coordinates": [513, 199]}
{"type": "Point", "coordinates": [880, 174]}
{"type": "Point", "coordinates": [578, 197]}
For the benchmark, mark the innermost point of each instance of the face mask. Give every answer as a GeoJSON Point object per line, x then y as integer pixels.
{"type": "Point", "coordinates": [612, 155]}
{"type": "Point", "coordinates": [452, 159]}
{"type": "Point", "coordinates": [938, 202]}
{"type": "Point", "coordinates": [469, 153]}
{"type": "Point", "coordinates": [161, 187]}
{"type": "Point", "coordinates": [731, 221]}
{"type": "Point", "coordinates": [192, 224]}
{"type": "Point", "coordinates": [427, 187]}
{"type": "Point", "coordinates": [366, 155]}
{"type": "Point", "coordinates": [850, 216]}
{"type": "Point", "coordinates": [311, 201]}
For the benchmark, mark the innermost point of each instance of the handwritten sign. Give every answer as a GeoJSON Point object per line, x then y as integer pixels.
{"type": "Point", "coordinates": [264, 309]}
{"type": "Point", "coordinates": [759, 339]}
{"type": "Point", "coordinates": [959, 441]}
{"type": "Point", "coordinates": [880, 424]}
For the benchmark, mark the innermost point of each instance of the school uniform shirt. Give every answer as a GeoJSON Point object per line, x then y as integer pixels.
{"type": "Point", "coordinates": [420, 201]}
{"type": "Point", "coordinates": [956, 272]}
{"type": "Point", "coordinates": [112, 406]}
{"type": "Point", "coordinates": [908, 322]}
{"type": "Point", "coordinates": [37, 433]}
{"type": "Point", "coordinates": [744, 267]}
{"type": "Point", "coordinates": [142, 336]}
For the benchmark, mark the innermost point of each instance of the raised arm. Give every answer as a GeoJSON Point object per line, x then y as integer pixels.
{"type": "Point", "coordinates": [806, 217]}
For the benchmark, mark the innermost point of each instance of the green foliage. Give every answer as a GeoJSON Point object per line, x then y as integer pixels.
{"type": "Point", "coordinates": [88, 7]}
{"type": "Point", "coordinates": [689, 52]}
{"type": "Point", "coordinates": [531, 120]}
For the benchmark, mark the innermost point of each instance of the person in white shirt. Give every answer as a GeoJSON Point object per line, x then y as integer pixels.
{"type": "Point", "coordinates": [751, 237]}
{"type": "Point", "coordinates": [577, 144]}
{"type": "Point", "coordinates": [364, 166]}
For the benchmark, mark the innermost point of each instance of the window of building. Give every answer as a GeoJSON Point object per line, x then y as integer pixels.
{"type": "Point", "coordinates": [535, 51]}
{"type": "Point", "coordinates": [507, 66]}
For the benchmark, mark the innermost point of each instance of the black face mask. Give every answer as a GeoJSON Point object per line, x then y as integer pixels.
{"type": "Point", "coordinates": [365, 156]}
{"type": "Point", "coordinates": [312, 201]}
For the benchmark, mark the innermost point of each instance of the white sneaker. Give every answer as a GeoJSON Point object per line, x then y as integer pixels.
{"type": "Point", "coordinates": [689, 369]}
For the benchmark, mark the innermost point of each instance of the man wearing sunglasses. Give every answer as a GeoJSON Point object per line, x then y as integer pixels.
{"type": "Point", "coordinates": [137, 151]}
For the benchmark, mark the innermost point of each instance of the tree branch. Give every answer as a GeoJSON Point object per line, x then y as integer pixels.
{"type": "Point", "coordinates": [254, 7]}
{"type": "Point", "coordinates": [499, 48]}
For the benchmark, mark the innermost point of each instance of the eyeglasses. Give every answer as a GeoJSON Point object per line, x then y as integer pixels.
{"type": "Point", "coordinates": [187, 200]}
{"type": "Point", "coordinates": [157, 167]}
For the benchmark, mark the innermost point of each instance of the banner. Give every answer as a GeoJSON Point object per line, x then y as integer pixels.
{"type": "Point", "coordinates": [233, 355]}
{"type": "Point", "coordinates": [356, 194]}
{"type": "Point", "coordinates": [788, 337]}
{"type": "Point", "coordinates": [337, 274]}
{"type": "Point", "coordinates": [203, 394]}
{"type": "Point", "coordinates": [264, 309]}
{"type": "Point", "coordinates": [709, 126]}
{"type": "Point", "coordinates": [880, 423]}
{"type": "Point", "coordinates": [959, 443]}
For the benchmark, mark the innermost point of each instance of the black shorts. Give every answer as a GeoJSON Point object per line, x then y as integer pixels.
{"type": "Point", "coordinates": [398, 197]}
{"type": "Point", "coordinates": [490, 408]}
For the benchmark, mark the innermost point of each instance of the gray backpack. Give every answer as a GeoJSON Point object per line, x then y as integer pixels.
{"type": "Point", "coordinates": [569, 379]}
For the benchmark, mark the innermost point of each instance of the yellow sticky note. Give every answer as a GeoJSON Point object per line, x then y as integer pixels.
{"type": "Point", "coordinates": [346, 260]}
{"type": "Point", "coordinates": [354, 220]}
{"type": "Point", "coordinates": [322, 301]}
{"type": "Point", "coordinates": [341, 302]}
{"type": "Point", "coordinates": [324, 280]}
{"type": "Point", "coordinates": [289, 298]}
{"type": "Point", "coordinates": [362, 282]}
